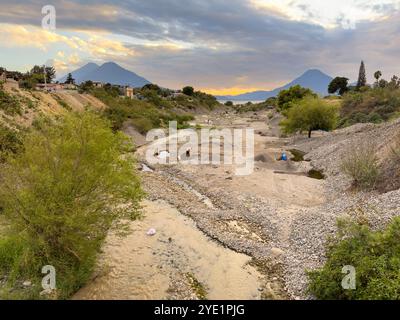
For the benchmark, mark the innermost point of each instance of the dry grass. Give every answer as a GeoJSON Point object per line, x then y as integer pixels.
{"type": "Point", "coordinates": [362, 165]}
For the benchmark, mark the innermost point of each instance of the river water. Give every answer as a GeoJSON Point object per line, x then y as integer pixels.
{"type": "Point", "coordinates": [143, 267]}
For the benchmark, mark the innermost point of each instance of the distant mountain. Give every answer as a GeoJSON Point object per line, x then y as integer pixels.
{"type": "Point", "coordinates": [109, 72]}
{"type": "Point", "coordinates": [81, 72]}
{"type": "Point", "coordinates": [313, 79]}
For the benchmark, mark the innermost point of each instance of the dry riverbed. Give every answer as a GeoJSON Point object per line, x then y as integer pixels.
{"type": "Point", "coordinates": [221, 236]}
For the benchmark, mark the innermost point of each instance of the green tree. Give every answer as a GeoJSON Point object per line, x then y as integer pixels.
{"type": "Point", "coordinates": [339, 84]}
{"type": "Point", "coordinates": [189, 91]}
{"type": "Point", "coordinates": [40, 71]}
{"type": "Point", "coordinates": [377, 75]}
{"type": "Point", "coordinates": [287, 98]}
{"type": "Point", "coordinates": [362, 78]}
{"type": "Point", "coordinates": [73, 181]}
{"type": "Point", "coordinates": [70, 79]}
{"type": "Point", "coordinates": [229, 103]}
{"type": "Point", "coordinates": [86, 86]}
{"type": "Point", "coordinates": [310, 114]}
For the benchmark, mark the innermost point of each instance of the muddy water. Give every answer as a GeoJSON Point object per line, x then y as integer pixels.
{"type": "Point", "coordinates": [143, 267]}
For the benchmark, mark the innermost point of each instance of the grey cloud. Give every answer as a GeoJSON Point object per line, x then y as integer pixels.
{"type": "Point", "coordinates": [251, 43]}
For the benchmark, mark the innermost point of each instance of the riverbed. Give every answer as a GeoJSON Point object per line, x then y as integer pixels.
{"type": "Point", "coordinates": [178, 262]}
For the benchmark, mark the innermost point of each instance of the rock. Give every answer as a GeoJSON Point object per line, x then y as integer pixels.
{"type": "Point", "coordinates": [27, 283]}
{"type": "Point", "coordinates": [276, 252]}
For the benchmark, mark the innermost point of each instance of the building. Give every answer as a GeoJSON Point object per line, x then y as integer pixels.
{"type": "Point", "coordinates": [50, 87]}
{"type": "Point", "coordinates": [69, 86]}
{"type": "Point", "coordinates": [127, 91]}
{"type": "Point", "coordinates": [98, 84]}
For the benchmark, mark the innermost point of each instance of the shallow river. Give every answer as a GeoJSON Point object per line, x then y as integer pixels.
{"type": "Point", "coordinates": [143, 267]}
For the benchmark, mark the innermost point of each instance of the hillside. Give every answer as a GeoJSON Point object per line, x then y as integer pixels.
{"type": "Point", "coordinates": [26, 105]}
{"type": "Point", "coordinates": [313, 79]}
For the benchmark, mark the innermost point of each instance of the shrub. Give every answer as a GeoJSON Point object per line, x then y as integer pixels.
{"type": "Point", "coordinates": [229, 103]}
{"type": "Point", "coordinates": [143, 125]}
{"type": "Point", "coordinates": [72, 182]}
{"type": "Point", "coordinates": [145, 114]}
{"type": "Point", "coordinates": [361, 164]}
{"type": "Point", "coordinates": [10, 142]}
{"type": "Point", "coordinates": [389, 178]}
{"type": "Point", "coordinates": [9, 104]}
{"type": "Point", "coordinates": [310, 114]}
{"type": "Point", "coordinates": [373, 254]}
{"type": "Point", "coordinates": [189, 91]}
{"type": "Point", "coordinates": [373, 105]}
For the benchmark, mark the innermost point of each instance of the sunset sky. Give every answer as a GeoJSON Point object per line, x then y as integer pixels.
{"type": "Point", "coordinates": [223, 47]}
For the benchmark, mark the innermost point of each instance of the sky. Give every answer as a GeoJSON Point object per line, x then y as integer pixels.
{"type": "Point", "coordinates": [218, 46]}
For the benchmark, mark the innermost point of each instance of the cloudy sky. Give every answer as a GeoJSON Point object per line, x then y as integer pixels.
{"type": "Point", "coordinates": [220, 46]}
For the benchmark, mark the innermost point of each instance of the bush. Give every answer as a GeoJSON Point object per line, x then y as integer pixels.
{"type": "Point", "coordinates": [10, 142]}
{"type": "Point", "coordinates": [143, 125]}
{"type": "Point", "coordinates": [373, 105]}
{"type": "Point", "coordinates": [375, 256]}
{"type": "Point", "coordinates": [72, 182]}
{"type": "Point", "coordinates": [361, 164]}
{"type": "Point", "coordinates": [144, 114]}
{"type": "Point", "coordinates": [229, 103]}
{"type": "Point", "coordinates": [310, 114]}
{"type": "Point", "coordinates": [189, 91]}
{"type": "Point", "coordinates": [9, 104]}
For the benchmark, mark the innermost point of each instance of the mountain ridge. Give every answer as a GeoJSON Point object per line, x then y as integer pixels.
{"type": "Point", "coordinates": [313, 79]}
{"type": "Point", "coordinates": [109, 72]}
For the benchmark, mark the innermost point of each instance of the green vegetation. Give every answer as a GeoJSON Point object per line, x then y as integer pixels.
{"type": "Point", "coordinates": [316, 174]}
{"type": "Point", "coordinates": [10, 142]}
{"type": "Point", "coordinates": [144, 115]}
{"type": "Point", "coordinates": [361, 164]}
{"type": "Point", "coordinates": [254, 107]}
{"type": "Point", "coordinates": [362, 78]}
{"type": "Point", "coordinates": [189, 91]}
{"type": "Point", "coordinates": [373, 254]}
{"type": "Point", "coordinates": [9, 103]}
{"type": "Point", "coordinates": [70, 183]}
{"type": "Point", "coordinates": [338, 85]}
{"type": "Point", "coordinates": [70, 79]}
{"type": "Point", "coordinates": [62, 103]}
{"type": "Point", "coordinates": [197, 286]}
{"type": "Point", "coordinates": [371, 105]}
{"type": "Point", "coordinates": [229, 104]}
{"type": "Point", "coordinates": [288, 98]}
{"type": "Point", "coordinates": [310, 114]}
{"type": "Point", "coordinates": [36, 75]}
{"type": "Point", "coordinates": [298, 155]}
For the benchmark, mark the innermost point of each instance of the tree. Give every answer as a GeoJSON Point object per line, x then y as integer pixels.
{"type": "Point", "coordinates": [73, 180]}
{"type": "Point", "coordinates": [229, 103]}
{"type": "Point", "coordinates": [377, 75]}
{"type": "Point", "coordinates": [338, 84]}
{"type": "Point", "coordinates": [70, 80]}
{"type": "Point", "coordinates": [38, 72]}
{"type": "Point", "coordinates": [86, 86]}
{"type": "Point", "coordinates": [362, 78]}
{"type": "Point", "coordinates": [287, 98]}
{"type": "Point", "coordinates": [189, 91]}
{"type": "Point", "coordinates": [309, 114]}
